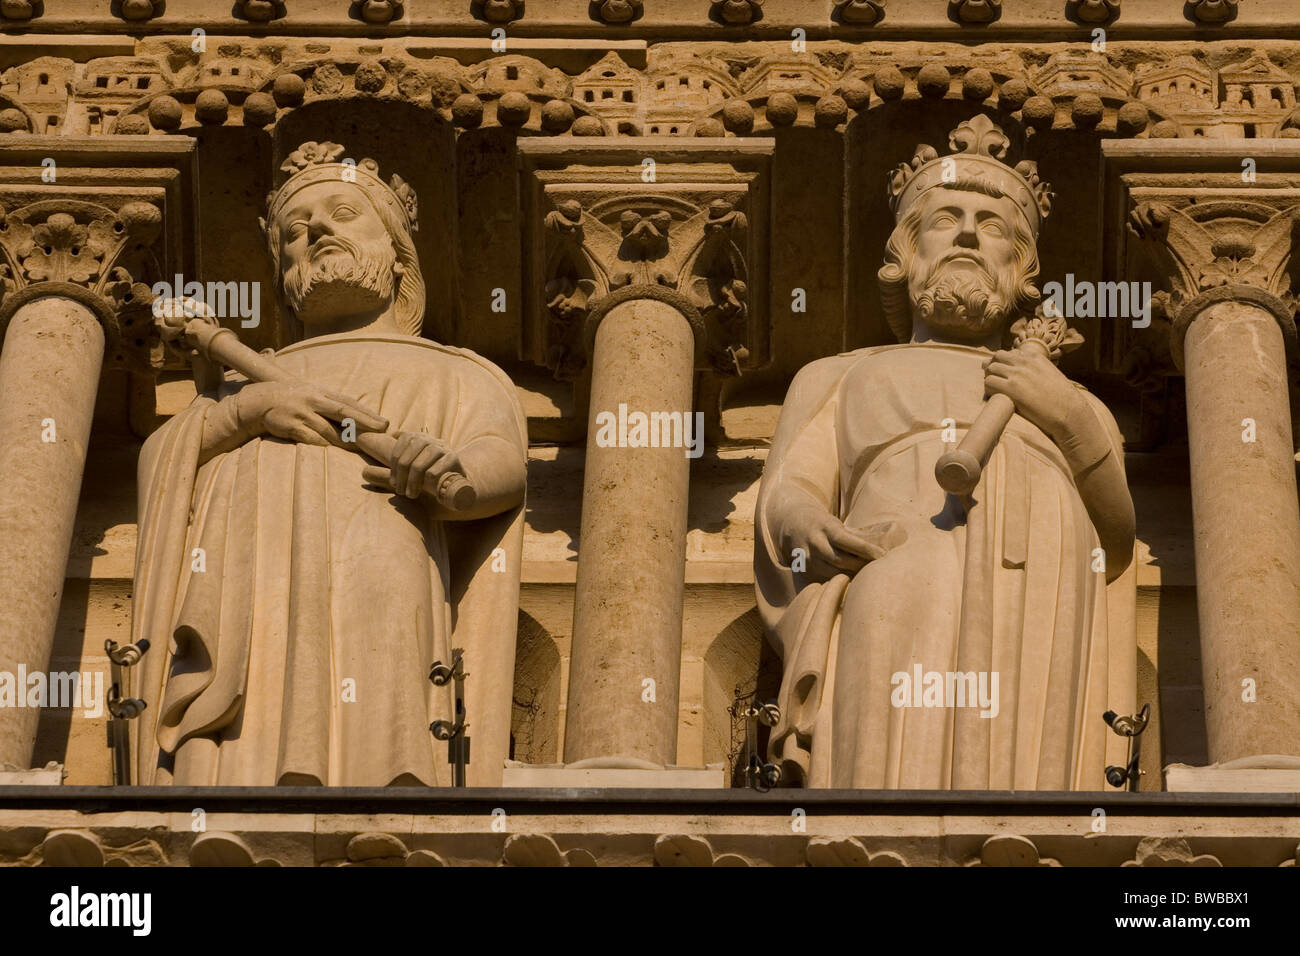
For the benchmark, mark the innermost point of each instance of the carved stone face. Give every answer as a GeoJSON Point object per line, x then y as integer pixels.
{"type": "Point", "coordinates": [962, 278]}
{"type": "Point", "coordinates": [336, 255]}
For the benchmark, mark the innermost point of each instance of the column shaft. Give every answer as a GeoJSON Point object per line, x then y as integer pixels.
{"type": "Point", "coordinates": [627, 616]}
{"type": "Point", "coordinates": [49, 375]}
{"type": "Point", "coordinates": [1247, 530]}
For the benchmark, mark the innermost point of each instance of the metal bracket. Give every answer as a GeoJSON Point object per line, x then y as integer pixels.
{"type": "Point", "coordinates": [1130, 727]}
{"type": "Point", "coordinates": [122, 708]}
{"type": "Point", "coordinates": [453, 731]}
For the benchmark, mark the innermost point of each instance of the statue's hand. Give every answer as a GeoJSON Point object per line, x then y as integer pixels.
{"type": "Point", "coordinates": [1041, 392]}
{"type": "Point", "coordinates": [829, 548]}
{"type": "Point", "coordinates": [301, 413]}
{"type": "Point", "coordinates": [416, 459]}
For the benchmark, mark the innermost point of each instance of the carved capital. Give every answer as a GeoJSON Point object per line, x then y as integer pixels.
{"type": "Point", "coordinates": [617, 224]}
{"type": "Point", "coordinates": [112, 228]}
{"type": "Point", "coordinates": [1220, 251]}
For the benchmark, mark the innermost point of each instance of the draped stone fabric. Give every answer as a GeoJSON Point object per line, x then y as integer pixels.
{"type": "Point", "coordinates": [300, 653]}
{"type": "Point", "coordinates": [1008, 588]}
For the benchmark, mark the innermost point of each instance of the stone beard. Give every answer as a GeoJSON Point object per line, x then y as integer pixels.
{"type": "Point", "coordinates": [1000, 594]}
{"type": "Point", "coordinates": [303, 608]}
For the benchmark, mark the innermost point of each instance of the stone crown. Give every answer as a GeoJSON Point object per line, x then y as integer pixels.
{"type": "Point", "coordinates": [319, 162]}
{"type": "Point", "coordinates": [978, 149]}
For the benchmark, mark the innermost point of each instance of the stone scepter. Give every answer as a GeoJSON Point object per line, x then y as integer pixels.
{"type": "Point", "coordinates": [452, 490]}
{"type": "Point", "coordinates": [958, 471]}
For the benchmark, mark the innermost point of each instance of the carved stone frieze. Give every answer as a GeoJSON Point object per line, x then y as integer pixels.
{"type": "Point", "coordinates": [169, 87]}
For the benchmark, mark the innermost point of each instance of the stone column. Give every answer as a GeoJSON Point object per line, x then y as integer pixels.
{"type": "Point", "coordinates": [627, 615]}
{"type": "Point", "coordinates": [1232, 328]}
{"type": "Point", "coordinates": [49, 375]}
{"type": "Point", "coordinates": [645, 264]}
{"type": "Point", "coordinates": [1246, 520]}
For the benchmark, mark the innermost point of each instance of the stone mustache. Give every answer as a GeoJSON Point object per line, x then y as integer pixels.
{"type": "Point", "coordinates": [870, 578]}
{"type": "Point", "coordinates": [301, 592]}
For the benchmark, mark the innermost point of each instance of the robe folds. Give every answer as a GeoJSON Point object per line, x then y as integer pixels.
{"type": "Point", "coordinates": [294, 612]}
{"type": "Point", "coordinates": [1005, 585]}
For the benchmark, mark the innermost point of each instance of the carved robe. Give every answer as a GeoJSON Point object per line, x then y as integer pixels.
{"type": "Point", "coordinates": [1009, 587]}
{"type": "Point", "coordinates": [294, 647]}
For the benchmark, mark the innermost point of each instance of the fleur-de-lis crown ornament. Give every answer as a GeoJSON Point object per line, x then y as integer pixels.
{"type": "Point", "coordinates": [978, 150]}
{"type": "Point", "coordinates": [314, 163]}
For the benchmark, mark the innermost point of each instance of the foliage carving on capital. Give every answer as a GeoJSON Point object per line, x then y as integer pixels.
{"type": "Point", "coordinates": [1214, 244]}
{"type": "Point", "coordinates": [646, 241]}
{"type": "Point", "coordinates": [104, 252]}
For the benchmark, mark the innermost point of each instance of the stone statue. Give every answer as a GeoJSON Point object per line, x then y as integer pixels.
{"type": "Point", "coordinates": [932, 641]}
{"type": "Point", "coordinates": [295, 592]}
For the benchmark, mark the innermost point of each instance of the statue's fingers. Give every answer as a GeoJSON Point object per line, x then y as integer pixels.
{"type": "Point", "coordinates": [424, 460]}
{"type": "Point", "coordinates": [378, 476]}
{"type": "Point", "coordinates": [403, 455]}
{"type": "Point", "coordinates": [997, 383]}
{"type": "Point", "coordinates": [339, 408]}
{"type": "Point", "coordinates": [304, 435]}
{"type": "Point", "coordinates": [322, 428]}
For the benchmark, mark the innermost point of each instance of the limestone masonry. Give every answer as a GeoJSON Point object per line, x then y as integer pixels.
{"type": "Point", "coordinates": [649, 432]}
